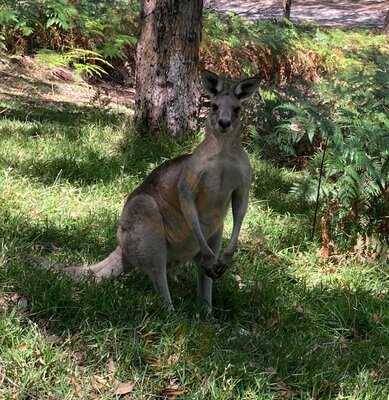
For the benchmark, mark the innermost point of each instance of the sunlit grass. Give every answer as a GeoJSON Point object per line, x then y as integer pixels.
{"type": "Point", "coordinates": [286, 324]}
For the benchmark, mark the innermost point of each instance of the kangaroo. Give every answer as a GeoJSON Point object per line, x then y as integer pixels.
{"type": "Point", "coordinates": [177, 213]}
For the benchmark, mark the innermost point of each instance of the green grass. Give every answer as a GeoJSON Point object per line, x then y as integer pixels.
{"type": "Point", "coordinates": [286, 324]}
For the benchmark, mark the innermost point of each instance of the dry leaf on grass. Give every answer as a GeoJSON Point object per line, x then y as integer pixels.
{"type": "Point", "coordinates": [22, 347]}
{"type": "Point", "coordinates": [124, 388]}
{"type": "Point", "coordinates": [172, 390]}
{"type": "Point", "coordinates": [111, 367]}
{"type": "Point", "coordinates": [285, 392]}
{"type": "Point", "coordinates": [274, 320]}
{"type": "Point", "coordinates": [14, 297]}
{"type": "Point", "coordinates": [79, 357]}
{"type": "Point", "coordinates": [173, 359]}
{"type": "Point", "coordinates": [53, 339]}
{"type": "Point", "coordinates": [98, 382]}
{"type": "Point", "coordinates": [76, 386]}
{"type": "Point", "coordinates": [22, 304]}
{"type": "Point", "coordinates": [3, 301]}
{"type": "Point", "coordinates": [377, 319]}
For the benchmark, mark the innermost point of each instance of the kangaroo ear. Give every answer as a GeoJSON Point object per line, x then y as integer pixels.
{"type": "Point", "coordinates": [246, 88]}
{"type": "Point", "coordinates": [212, 83]}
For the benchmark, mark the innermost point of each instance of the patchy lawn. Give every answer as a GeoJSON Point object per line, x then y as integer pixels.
{"type": "Point", "coordinates": [286, 323]}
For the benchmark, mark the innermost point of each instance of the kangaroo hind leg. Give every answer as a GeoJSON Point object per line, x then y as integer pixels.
{"type": "Point", "coordinates": [143, 242]}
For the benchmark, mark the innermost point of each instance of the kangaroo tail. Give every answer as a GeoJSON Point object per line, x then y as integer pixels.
{"type": "Point", "coordinates": [111, 266]}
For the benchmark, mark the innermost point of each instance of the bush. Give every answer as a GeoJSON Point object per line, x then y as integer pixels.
{"type": "Point", "coordinates": [344, 114]}
{"type": "Point", "coordinates": [101, 26]}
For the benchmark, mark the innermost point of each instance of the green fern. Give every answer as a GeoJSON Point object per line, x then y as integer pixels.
{"type": "Point", "coordinates": [60, 13]}
{"type": "Point", "coordinates": [86, 63]}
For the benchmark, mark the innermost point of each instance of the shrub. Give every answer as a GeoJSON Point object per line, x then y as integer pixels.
{"type": "Point", "coordinates": [101, 26]}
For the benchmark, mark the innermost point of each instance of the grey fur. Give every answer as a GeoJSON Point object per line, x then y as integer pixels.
{"type": "Point", "coordinates": [177, 213]}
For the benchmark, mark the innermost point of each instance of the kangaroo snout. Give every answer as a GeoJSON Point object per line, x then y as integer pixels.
{"type": "Point", "coordinates": [224, 123]}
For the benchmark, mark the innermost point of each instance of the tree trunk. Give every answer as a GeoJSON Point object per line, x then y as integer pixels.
{"type": "Point", "coordinates": [287, 7]}
{"type": "Point", "coordinates": [386, 23]}
{"type": "Point", "coordinates": [167, 87]}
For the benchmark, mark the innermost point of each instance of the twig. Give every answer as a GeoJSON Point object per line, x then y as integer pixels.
{"type": "Point", "coordinates": [318, 189]}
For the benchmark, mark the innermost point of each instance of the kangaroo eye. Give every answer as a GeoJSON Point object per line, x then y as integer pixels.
{"type": "Point", "coordinates": [236, 110]}
{"type": "Point", "coordinates": [215, 107]}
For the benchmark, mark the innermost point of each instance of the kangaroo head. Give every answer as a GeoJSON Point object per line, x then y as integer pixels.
{"type": "Point", "coordinates": [227, 98]}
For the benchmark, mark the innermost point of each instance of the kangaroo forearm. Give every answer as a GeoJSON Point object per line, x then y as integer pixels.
{"type": "Point", "coordinates": [186, 188]}
{"type": "Point", "coordinates": [190, 214]}
{"type": "Point", "coordinates": [194, 223]}
{"type": "Point", "coordinates": [239, 209]}
{"type": "Point", "coordinates": [233, 243]}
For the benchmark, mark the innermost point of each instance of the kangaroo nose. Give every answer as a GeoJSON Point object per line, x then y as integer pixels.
{"type": "Point", "coordinates": [224, 123]}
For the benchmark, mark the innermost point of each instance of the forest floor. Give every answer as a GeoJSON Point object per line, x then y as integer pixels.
{"type": "Point", "coordinates": [23, 77]}
{"type": "Point", "coordinates": [346, 13]}
{"type": "Point", "coordinates": [287, 324]}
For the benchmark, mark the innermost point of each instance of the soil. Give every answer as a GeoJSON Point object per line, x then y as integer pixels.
{"type": "Point", "coordinates": [23, 77]}
{"type": "Point", "coordinates": [339, 13]}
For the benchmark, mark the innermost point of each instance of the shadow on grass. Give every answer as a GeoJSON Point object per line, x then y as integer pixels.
{"type": "Point", "coordinates": [306, 340]}
{"type": "Point", "coordinates": [273, 323]}
{"type": "Point", "coordinates": [135, 156]}
{"type": "Point", "coordinates": [28, 109]}
{"type": "Point", "coordinates": [91, 169]}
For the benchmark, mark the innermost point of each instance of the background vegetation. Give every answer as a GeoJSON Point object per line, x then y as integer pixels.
{"type": "Point", "coordinates": [295, 317]}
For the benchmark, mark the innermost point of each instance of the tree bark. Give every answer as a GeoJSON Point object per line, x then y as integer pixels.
{"type": "Point", "coordinates": [386, 23]}
{"type": "Point", "coordinates": [167, 87]}
{"type": "Point", "coordinates": [287, 4]}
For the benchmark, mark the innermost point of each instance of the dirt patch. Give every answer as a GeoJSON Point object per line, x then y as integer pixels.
{"type": "Point", "coordinates": [325, 12]}
{"type": "Point", "coordinates": [23, 76]}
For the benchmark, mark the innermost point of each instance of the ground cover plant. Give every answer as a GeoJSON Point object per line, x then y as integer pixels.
{"type": "Point", "coordinates": [288, 323]}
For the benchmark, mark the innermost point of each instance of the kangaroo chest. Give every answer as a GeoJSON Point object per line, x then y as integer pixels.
{"type": "Point", "coordinates": [220, 178]}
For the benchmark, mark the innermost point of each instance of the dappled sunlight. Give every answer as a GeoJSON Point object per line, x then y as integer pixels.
{"type": "Point", "coordinates": [287, 323]}
{"type": "Point", "coordinates": [24, 78]}
{"type": "Point", "coordinates": [328, 13]}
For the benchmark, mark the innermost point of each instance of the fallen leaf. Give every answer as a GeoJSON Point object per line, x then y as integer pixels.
{"type": "Point", "coordinates": [295, 127]}
{"type": "Point", "coordinates": [111, 367]}
{"type": "Point", "coordinates": [124, 388]}
{"type": "Point", "coordinates": [22, 303]}
{"type": "Point", "coordinates": [14, 297]}
{"type": "Point", "coordinates": [274, 320]}
{"type": "Point", "coordinates": [172, 390]}
{"type": "Point", "coordinates": [3, 301]}
{"type": "Point", "coordinates": [173, 359]}
{"type": "Point", "coordinates": [79, 357]}
{"type": "Point", "coordinates": [284, 390]}
{"type": "Point", "coordinates": [76, 385]}
{"type": "Point", "coordinates": [377, 318]}
{"type": "Point", "coordinates": [53, 339]}
{"type": "Point", "coordinates": [22, 347]}
{"type": "Point", "coordinates": [98, 382]}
